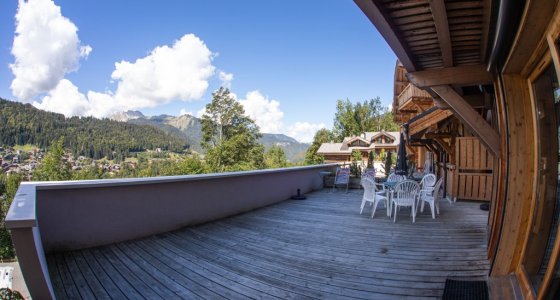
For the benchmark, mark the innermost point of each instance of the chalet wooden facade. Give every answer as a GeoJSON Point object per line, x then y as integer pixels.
{"type": "Point", "coordinates": [367, 143]}
{"type": "Point", "coordinates": [477, 84]}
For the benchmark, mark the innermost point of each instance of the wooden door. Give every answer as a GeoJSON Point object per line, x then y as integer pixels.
{"type": "Point", "coordinates": [473, 176]}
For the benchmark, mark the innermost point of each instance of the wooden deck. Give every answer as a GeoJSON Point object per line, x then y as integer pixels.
{"type": "Point", "coordinates": [317, 248]}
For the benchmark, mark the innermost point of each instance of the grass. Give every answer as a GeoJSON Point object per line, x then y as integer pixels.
{"type": "Point", "coordinates": [25, 148]}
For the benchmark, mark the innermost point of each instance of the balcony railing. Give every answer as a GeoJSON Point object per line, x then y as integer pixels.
{"type": "Point", "coordinates": [411, 92]}
{"type": "Point", "coordinates": [56, 216]}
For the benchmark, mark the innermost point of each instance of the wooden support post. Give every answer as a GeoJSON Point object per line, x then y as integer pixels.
{"type": "Point", "coordinates": [470, 118]}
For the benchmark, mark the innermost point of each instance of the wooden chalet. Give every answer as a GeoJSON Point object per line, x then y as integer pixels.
{"type": "Point", "coordinates": [477, 84]}
{"type": "Point", "coordinates": [367, 143]}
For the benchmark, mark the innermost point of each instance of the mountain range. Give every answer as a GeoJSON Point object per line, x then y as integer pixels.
{"type": "Point", "coordinates": [189, 128]}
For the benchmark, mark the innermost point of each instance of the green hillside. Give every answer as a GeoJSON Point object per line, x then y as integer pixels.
{"type": "Point", "coordinates": [24, 124]}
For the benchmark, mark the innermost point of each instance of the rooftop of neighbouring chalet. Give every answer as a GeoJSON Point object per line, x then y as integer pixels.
{"type": "Point", "coordinates": [317, 248]}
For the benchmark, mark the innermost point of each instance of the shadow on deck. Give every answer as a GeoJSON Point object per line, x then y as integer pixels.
{"type": "Point", "coordinates": [317, 248]}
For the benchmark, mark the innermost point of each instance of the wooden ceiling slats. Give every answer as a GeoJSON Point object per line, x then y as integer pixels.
{"type": "Point", "coordinates": [415, 32]}
{"type": "Point", "coordinates": [438, 33]}
{"type": "Point", "coordinates": [419, 37]}
{"type": "Point", "coordinates": [404, 4]}
{"type": "Point", "coordinates": [457, 44]}
{"type": "Point", "coordinates": [410, 11]}
{"type": "Point", "coordinates": [466, 38]}
{"type": "Point", "coordinates": [427, 52]}
{"type": "Point", "coordinates": [471, 32]}
{"type": "Point", "coordinates": [429, 59]}
{"type": "Point", "coordinates": [464, 20]}
{"type": "Point", "coordinates": [465, 26]}
{"type": "Point", "coordinates": [413, 19]}
{"type": "Point", "coordinates": [463, 5]}
{"type": "Point", "coordinates": [422, 42]}
{"type": "Point", "coordinates": [419, 25]}
{"type": "Point", "coordinates": [425, 47]}
{"type": "Point", "coordinates": [464, 13]}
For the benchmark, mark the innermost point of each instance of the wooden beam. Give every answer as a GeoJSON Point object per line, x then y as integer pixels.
{"type": "Point", "coordinates": [380, 20]}
{"type": "Point", "coordinates": [428, 121]}
{"type": "Point", "coordinates": [462, 75]}
{"type": "Point", "coordinates": [442, 28]}
{"type": "Point", "coordinates": [470, 118]}
{"type": "Point", "coordinates": [440, 103]}
{"type": "Point", "coordinates": [433, 135]}
{"type": "Point", "coordinates": [420, 108]}
{"type": "Point", "coordinates": [444, 145]}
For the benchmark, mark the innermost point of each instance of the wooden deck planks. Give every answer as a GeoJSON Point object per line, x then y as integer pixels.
{"type": "Point", "coordinates": [317, 248]}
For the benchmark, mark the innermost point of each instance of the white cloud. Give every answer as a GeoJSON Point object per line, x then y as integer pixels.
{"type": "Point", "coordinates": [304, 131]}
{"type": "Point", "coordinates": [167, 73]}
{"type": "Point", "coordinates": [65, 99]}
{"type": "Point", "coordinates": [201, 112]}
{"type": "Point", "coordinates": [265, 112]}
{"type": "Point", "coordinates": [226, 78]}
{"type": "Point", "coordinates": [185, 112]}
{"type": "Point", "coordinates": [46, 47]}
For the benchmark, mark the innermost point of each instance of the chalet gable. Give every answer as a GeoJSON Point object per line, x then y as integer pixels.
{"type": "Point", "coordinates": [382, 138]}
{"type": "Point", "coordinates": [357, 141]}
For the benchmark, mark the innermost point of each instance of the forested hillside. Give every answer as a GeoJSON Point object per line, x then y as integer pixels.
{"type": "Point", "coordinates": [24, 124]}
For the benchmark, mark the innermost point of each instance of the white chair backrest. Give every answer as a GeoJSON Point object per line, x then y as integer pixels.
{"type": "Point", "coordinates": [369, 188]}
{"type": "Point", "coordinates": [428, 181]}
{"type": "Point", "coordinates": [369, 172]}
{"type": "Point", "coordinates": [437, 187]}
{"type": "Point", "coordinates": [367, 176]}
{"type": "Point", "coordinates": [406, 192]}
{"type": "Point", "coordinates": [395, 178]}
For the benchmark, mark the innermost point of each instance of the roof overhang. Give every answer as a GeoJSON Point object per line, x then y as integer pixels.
{"type": "Point", "coordinates": [426, 119]}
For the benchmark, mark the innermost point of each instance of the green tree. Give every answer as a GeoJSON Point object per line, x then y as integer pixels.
{"type": "Point", "coordinates": [321, 136]}
{"type": "Point", "coordinates": [388, 163]}
{"type": "Point", "coordinates": [388, 122]}
{"type": "Point", "coordinates": [229, 137]}
{"type": "Point", "coordinates": [53, 167]}
{"type": "Point", "coordinates": [9, 185]}
{"type": "Point", "coordinates": [89, 172]}
{"type": "Point", "coordinates": [354, 166]}
{"type": "Point", "coordinates": [353, 119]}
{"type": "Point", "coordinates": [275, 157]}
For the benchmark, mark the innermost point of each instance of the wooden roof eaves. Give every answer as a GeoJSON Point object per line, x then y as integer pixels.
{"type": "Point", "coordinates": [373, 9]}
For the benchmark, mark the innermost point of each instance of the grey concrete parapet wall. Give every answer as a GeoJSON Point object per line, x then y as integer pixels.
{"type": "Point", "coordinates": [79, 214]}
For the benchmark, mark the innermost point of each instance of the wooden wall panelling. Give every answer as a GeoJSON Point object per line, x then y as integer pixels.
{"type": "Point", "coordinates": [521, 174]}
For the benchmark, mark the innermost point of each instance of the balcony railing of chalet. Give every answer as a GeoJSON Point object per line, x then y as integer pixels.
{"type": "Point", "coordinates": [47, 217]}
{"type": "Point", "coordinates": [411, 92]}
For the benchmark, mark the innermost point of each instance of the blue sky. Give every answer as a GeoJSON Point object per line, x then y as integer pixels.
{"type": "Point", "coordinates": [287, 61]}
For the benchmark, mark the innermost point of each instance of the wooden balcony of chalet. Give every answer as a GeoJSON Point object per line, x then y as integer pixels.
{"type": "Point", "coordinates": [413, 99]}
{"type": "Point", "coordinates": [87, 246]}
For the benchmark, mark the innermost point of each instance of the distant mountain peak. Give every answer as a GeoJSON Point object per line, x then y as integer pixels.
{"type": "Point", "coordinates": [125, 116]}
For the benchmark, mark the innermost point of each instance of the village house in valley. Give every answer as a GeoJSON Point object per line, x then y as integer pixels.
{"type": "Point", "coordinates": [368, 142]}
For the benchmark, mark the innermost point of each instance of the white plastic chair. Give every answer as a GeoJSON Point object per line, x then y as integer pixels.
{"type": "Point", "coordinates": [428, 181]}
{"type": "Point", "coordinates": [371, 194]}
{"type": "Point", "coordinates": [432, 198]}
{"type": "Point", "coordinates": [395, 177]}
{"type": "Point", "coordinates": [405, 194]}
